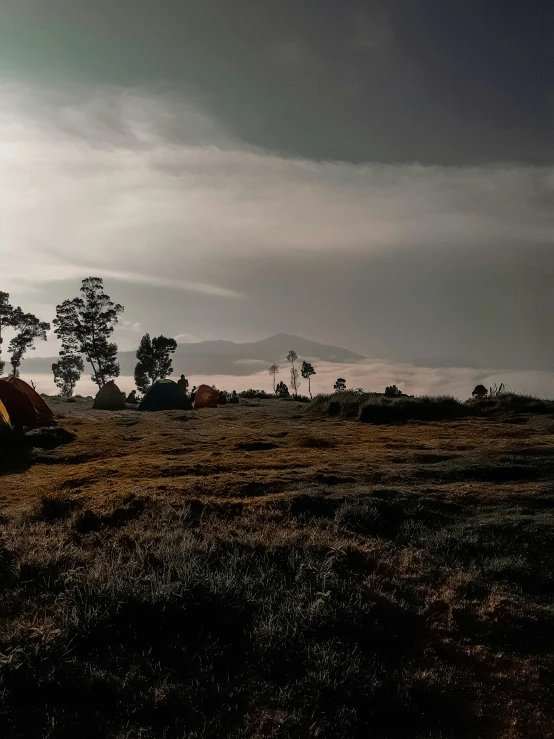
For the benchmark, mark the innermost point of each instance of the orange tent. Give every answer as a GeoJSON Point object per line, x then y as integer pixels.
{"type": "Point", "coordinates": [206, 397]}
{"type": "Point", "coordinates": [24, 405]}
{"type": "Point", "coordinates": [5, 423]}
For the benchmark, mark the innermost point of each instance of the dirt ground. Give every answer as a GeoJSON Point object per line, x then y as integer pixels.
{"type": "Point", "coordinates": [271, 448]}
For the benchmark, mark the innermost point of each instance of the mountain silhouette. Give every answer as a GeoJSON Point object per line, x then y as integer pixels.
{"type": "Point", "coordinates": [227, 357]}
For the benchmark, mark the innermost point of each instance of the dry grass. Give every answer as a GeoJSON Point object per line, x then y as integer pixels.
{"type": "Point", "coordinates": [257, 571]}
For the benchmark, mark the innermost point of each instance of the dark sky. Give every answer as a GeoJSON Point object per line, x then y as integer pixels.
{"type": "Point", "coordinates": [458, 82]}
{"type": "Point", "coordinates": [373, 174]}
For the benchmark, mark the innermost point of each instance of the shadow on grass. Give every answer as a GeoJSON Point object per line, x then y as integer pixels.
{"type": "Point", "coordinates": [313, 615]}
{"type": "Point", "coordinates": [19, 450]}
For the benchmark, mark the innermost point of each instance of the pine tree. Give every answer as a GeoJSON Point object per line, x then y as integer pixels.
{"type": "Point", "coordinates": [340, 385]}
{"type": "Point", "coordinates": [307, 373]}
{"type": "Point", "coordinates": [84, 325]}
{"type": "Point", "coordinates": [154, 360]}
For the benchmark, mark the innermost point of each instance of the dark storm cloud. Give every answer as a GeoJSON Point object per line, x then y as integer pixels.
{"type": "Point", "coordinates": [459, 82]}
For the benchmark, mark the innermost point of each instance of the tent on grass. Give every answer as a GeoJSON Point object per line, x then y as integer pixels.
{"type": "Point", "coordinates": [165, 395]}
{"type": "Point", "coordinates": [109, 398]}
{"type": "Point", "coordinates": [206, 397]}
{"type": "Point", "coordinates": [24, 405]}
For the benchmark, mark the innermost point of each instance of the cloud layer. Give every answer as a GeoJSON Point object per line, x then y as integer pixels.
{"type": "Point", "coordinates": [374, 376]}
{"type": "Point", "coordinates": [430, 263]}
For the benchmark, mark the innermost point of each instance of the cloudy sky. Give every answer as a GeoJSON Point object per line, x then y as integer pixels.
{"type": "Point", "coordinates": [373, 174]}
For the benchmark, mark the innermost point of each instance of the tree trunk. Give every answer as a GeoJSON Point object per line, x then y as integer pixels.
{"type": "Point", "coordinates": [94, 370]}
{"type": "Point", "coordinates": [99, 378]}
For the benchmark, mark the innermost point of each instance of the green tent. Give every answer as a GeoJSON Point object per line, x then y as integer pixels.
{"type": "Point", "coordinates": [165, 395]}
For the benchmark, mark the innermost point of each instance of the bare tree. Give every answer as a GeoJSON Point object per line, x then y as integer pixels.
{"type": "Point", "coordinates": [292, 356]}
{"type": "Point", "coordinates": [274, 370]}
{"type": "Point", "coordinates": [294, 381]}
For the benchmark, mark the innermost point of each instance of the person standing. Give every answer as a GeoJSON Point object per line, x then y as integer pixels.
{"type": "Point", "coordinates": [183, 384]}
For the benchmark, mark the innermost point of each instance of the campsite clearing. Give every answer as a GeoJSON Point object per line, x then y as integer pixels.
{"type": "Point", "coordinates": [262, 449]}
{"type": "Point", "coordinates": [258, 571]}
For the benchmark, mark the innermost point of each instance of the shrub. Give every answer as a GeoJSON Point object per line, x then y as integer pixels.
{"type": "Point", "coordinates": [282, 391]}
{"type": "Point", "coordinates": [512, 402]}
{"type": "Point", "coordinates": [399, 410]}
{"type": "Point", "coordinates": [344, 404]}
{"type": "Point", "coordinates": [55, 508]}
{"type": "Point", "coordinates": [255, 394]}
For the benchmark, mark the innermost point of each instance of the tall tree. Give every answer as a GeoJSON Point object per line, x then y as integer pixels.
{"type": "Point", "coordinates": [307, 372]}
{"type": "Point", "coordinates": [6, 320]}
{"type": "Point", "coordinates": [292, 356]}
{"type": "Point", "coordinates": [67, 372]}
{"type": "Point", "coordinates": [154, 360]}
{"type": "Point", "coordinates": [273, 371]}
{"type": "Point", "coordinates": [294, 381]}
{"type": "Point", "coordinates": [29, 328]}
{"type": "Point", "coordinates": [84, 325]}
{"type": "Point", "coordinates": [340, 385]}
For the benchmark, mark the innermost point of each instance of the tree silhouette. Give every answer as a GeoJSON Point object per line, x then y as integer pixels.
{"type": "Point", "coordinates": [340, 385]}
{"type": "Point", "coordinates": [67, 372]}
{"type": "Point", "coordinates": [6, 320]}
{"type": "Point", "coordinates": [292, 356]}
{"type": "Point", "coordinates": [391, 391]}
{"type": "Point", "coordinates": [282, 390]}
{"type": "Point", "coordinates": [307, 373]}
{"type": "Point", "coordinates": [154, 360]}
{"type": "Point", "coordinates": [29, 328]}
{"type": "Point", "coordinates": [84, 325]}
{"type": "Point", "coordinates": [480, 391]}
{"type": "Point", "coordinates": [273, 370]}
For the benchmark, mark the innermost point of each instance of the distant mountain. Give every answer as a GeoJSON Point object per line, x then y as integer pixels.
{"type": "Point", "coordinates": [227, 357]}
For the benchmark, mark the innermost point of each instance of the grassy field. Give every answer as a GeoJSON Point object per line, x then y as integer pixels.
{"type": "Point", "coordinates": [266, 570]}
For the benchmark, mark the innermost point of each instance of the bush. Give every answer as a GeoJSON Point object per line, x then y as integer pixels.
{"type": "Point", "coordinates": [512, 402]}
{"type": "Point", "coordinates": [255, 394]}
{"type": "Point", "coordinates": [297, 398]}
{"type": "Point", "coordinates": [400, 410]}
{"type": "Point", "coordinates": [344, 404]}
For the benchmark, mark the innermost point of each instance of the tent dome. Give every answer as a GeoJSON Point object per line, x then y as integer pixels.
{"type": "Point", "coordinates": [109, 398]}
{"type": "Point", "coordinates": [165, 395]}
{"type": "Point", "coordinates": [23, 404]}
{"type": "Point", "coordinates": [206, 397]}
